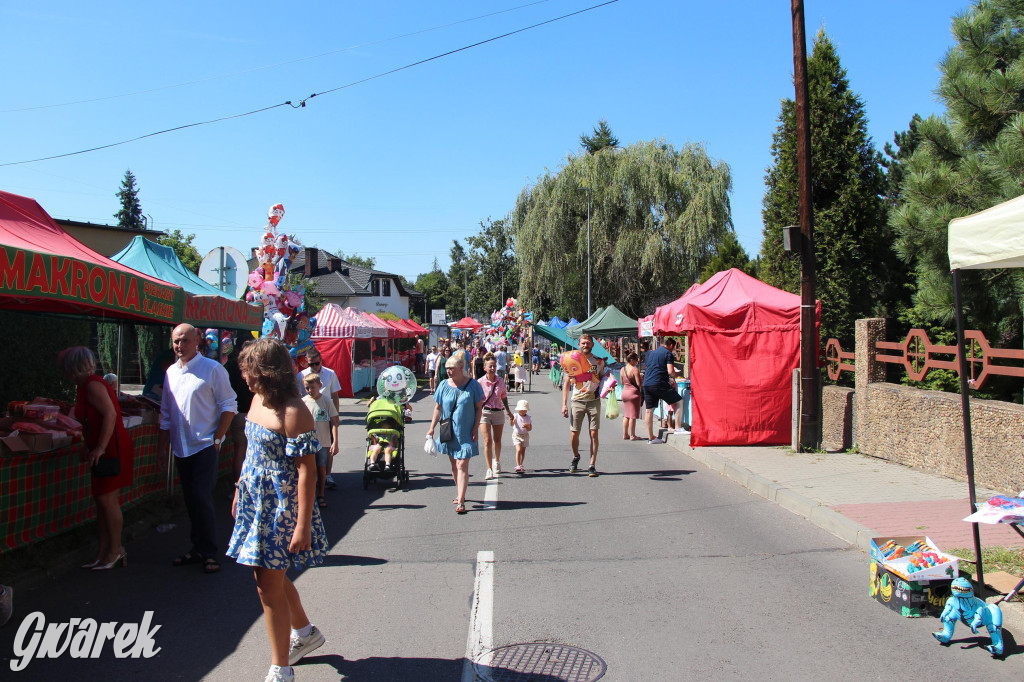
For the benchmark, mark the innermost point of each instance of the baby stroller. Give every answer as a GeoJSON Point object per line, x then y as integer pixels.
{"type": "Point", "coordinates": [384, 419]}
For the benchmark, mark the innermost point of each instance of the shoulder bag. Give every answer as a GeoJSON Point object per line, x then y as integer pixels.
{"type": "Point", "coordinates": [446, 432]}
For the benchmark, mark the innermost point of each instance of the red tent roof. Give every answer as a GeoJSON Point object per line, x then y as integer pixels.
{"type": "Point", "coordinates": [44, 269]}
{"type": "Point", "coordinates": [416, 328]}
{"type": "Point", "coordinates": [466, 323]}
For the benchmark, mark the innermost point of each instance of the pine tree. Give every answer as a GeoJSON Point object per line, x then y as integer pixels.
{"type": "Point", "coordinates": [966, 161]}
{"type": "Point", "coordinates": [601, 139]}
{"type": "Point", "coordinates": [130, 213]}
{"type": "Point", "coordinates": [729, 254]}
{"type": "Point", "coordinates": [851, 237]}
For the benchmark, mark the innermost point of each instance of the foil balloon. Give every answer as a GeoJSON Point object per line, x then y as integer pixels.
{"type": "Point", "coordinates": [575, 364]}
{"type": "Point", "coordinates": [396, 384]}
{"type": "Point", "coordinates": [256, 279]}
{"type": "Point", "coordinates": [275, 213]}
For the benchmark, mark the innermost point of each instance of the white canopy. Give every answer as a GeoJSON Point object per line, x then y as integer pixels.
{"type": "Point", "coordinates": [993, 238]}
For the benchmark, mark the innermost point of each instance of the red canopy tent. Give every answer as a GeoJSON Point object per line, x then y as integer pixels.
{"type": "Point", "coordinates": [745, 344]}
{"type": "Point", "coordinates": [44, 269]}
{"type": "Point", "coordinates": [466, 323]}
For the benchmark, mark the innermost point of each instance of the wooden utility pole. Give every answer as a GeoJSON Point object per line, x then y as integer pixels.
{"type": "Point", "coordinates": [809, 408]}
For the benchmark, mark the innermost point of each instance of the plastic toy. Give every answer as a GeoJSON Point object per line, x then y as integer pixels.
{"type": "Point", "coordinates": [964, 606]}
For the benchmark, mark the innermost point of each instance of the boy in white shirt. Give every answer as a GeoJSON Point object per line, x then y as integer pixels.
{"type": "Point", "coordinates": [325, 416]}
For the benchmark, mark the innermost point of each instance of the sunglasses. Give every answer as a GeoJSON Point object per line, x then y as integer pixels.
{"type": "Point", "coordinates": [314, 364]}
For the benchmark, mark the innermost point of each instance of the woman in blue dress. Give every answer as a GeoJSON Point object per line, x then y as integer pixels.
{"type": "Point", "coordinates": [277, 524]}
{"type": "Point", "coordinates": [462, 399]}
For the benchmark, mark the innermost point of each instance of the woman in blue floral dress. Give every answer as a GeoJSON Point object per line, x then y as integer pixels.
{"type": "Point", "coordinates": [277, 524]}
{"type": "Point", "coordinates": [461, 398]}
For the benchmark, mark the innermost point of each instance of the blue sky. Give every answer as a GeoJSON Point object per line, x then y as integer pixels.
{"type": "Point", "coordinates": [399, 166]}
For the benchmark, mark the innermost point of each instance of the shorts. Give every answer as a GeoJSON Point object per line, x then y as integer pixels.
{"type": "Point", "coordinates": [652, 394]}
{"type": "Point", "coordinates": [502, 373]}
{"type": "Point", "coordinates": [237, 428]}
{"type": "Point", "coordinates": [521, 439]}
{"type": "Point", "coordinates": [492, 417]}
{"type": "Point", "coordinates": [322, 456]}
{"type": "Point", "coordinates": [592, 410]}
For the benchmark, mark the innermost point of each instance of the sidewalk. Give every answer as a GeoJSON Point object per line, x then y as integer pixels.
{"type": "Point", "coordinates": [856, 497]}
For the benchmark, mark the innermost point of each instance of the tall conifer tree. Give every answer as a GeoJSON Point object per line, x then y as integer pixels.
{"type": "Point", "coordinates": [852, 241]}
{"type": "Point", "coordinates": [967, 161]}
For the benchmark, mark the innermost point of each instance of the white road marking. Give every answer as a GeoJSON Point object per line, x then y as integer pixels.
{"type": "Point", "coordinates": [491, 495]}
{"type": "Point", "coordinates": [481, 616]}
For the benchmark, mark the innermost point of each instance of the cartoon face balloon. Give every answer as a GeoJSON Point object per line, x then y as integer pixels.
{"type": "Point", "coordinates": [275, 214]}
{"type": "Point", "coordinates": [575, 364]}
{"type": "Point", "coordinates": [396, 384]}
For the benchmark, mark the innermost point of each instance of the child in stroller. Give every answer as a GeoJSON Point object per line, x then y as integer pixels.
{"type": "Point", "coordinates": [385, 435]}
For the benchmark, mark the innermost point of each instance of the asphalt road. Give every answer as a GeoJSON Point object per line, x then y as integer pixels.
{"type": "Point", "coordinates": [661, 568]}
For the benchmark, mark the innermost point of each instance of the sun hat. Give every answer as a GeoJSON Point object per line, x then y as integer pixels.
{"type": "Point", "coordinates": [523, 406]}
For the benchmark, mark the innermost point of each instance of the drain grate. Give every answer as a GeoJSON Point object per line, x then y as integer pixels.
{"type": "Point", "coordinates": [540, 662]}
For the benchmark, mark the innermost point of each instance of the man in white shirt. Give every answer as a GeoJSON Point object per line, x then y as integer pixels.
{"type": "Point", "coordinates": [196, 409]}
{"type": "Point", "coordinates": [432, 367]}
{"type": "Point", "coordinates": [330, 386]}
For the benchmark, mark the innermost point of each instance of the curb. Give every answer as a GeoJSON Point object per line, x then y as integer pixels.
{"type": "Point", "coordinates": [818, 514]}
{"type": "Point", "coordinates": [835, 523]}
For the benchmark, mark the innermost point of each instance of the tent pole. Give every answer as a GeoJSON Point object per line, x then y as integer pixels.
{"type": "Point", "coordinates": [117, 370]}
{"type": "Point", "coordinates": [965, 403]}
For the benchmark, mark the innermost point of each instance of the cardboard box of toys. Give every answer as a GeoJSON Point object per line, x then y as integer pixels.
{"type": "Point", "coordinates": [914, 558]}
{"type": "Point", "coordinates": [908, 598]}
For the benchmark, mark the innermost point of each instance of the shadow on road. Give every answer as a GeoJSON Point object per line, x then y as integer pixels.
{"type": "Point", "coordinates": [381, 668]}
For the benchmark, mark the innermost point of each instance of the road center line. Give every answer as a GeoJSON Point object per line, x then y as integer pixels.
{"type": "Point", "coordinates": [481, 616]}
{"type": "Point", "coordinates": [491, 495]}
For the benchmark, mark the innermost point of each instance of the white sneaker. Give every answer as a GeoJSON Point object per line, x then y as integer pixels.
{"type": "Point", "coordinates": [497, 467]}
{"type": "Point", "coordinates": [300, 646]}
{"type": "Point", "coordinates": [489, 475]}
{"type": "Point", "coordinates": [278, 676]}
{"type": "Point", "coordinates": [655, 441]}
{"type": "Point", "coordinates": [681, 432]}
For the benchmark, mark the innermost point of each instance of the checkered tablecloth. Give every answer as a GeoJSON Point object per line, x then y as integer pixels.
{"type": "Point", "coordinates": [48, 493]}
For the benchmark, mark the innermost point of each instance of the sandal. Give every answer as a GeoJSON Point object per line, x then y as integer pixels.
{"type": "Point", "coordinates": [460, 509]}
{"type": "Point", "coordinates": [188, 558]}
{"type": "Point", "coordinates": [211, 565]}
{"type": "Point", "coordinates": [321, 501]}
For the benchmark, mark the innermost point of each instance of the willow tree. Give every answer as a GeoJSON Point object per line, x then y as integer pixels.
{"type": "Point", "coordinates": [656, 216]}
{"type": "Point", "coordinates": [966, 161]}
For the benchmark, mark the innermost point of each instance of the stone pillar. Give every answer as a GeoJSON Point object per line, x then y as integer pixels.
{"type": "Point", "coordinates": [869, 371]}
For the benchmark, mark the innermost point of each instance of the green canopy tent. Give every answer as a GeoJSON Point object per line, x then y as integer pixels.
{"type": "Point", "coordinates": [608, 322]}
{"type": "Point", "coordinates": [577, 325]}
{"type": "Point", "coordinates": [559, 336]}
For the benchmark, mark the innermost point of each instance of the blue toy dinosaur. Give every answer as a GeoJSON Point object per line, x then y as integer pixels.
{"type": "Point", "coordinates": [963, 605]}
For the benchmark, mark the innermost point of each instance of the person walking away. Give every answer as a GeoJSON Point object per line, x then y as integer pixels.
{"type": "Point", "coordinates": [632, 396]}
{"type": "Point", "coordinates": [277, 524]}
{"type": "Point", "coordinates": [243, 397]}
{"type": "Point", "coordinates": [522, 424]}
{"type": "Point", "coordinates": [106, 438]}
{"type": "Point", "coordinates": [536, 360]}
{"type": "Point", "coordinates": [196, 410]}
{"type": "Point", "coordinates": [492, 421]}
{"type": "Point", "coordinates": [501, 361]}
{"type": "Point", "coordinates": [432, 367]}
{"type": "Point", "coordinates": [459, 398]}
{"type": "Point", "coordinates": [584, 403]}
{"type": "Point", "coordinates": [326, 420]}
{"type": "Point", "coordinates": [331, 386]}
{"type": "Point", "coordinates": [659, 384]}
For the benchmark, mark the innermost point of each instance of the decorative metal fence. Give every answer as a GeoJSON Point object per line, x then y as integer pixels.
{"type": "Point", "coordinates": [918, 356]}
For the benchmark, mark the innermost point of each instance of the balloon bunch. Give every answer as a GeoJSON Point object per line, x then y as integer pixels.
{"type": "Point", "coordinates": [510, 324]}
{"type": "Point", "coordinates": [284, 313]}
{"type": "Point", "coordinates": [214, 339]}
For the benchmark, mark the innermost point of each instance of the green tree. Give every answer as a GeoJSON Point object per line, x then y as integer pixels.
{"type": "Point", "coordinates": [367, 262]}
{"type": "Point", "coordinates": [601, 139]}
{"type": "Point", "coordinates": [183, 249]}
{"type": "Point", "coordinates": [459, 276]}
{"type": "Point", "coordinates": [130, 213]}
{"type": "Point", "coordinates": [852, 243]}
{"type": "Point", "coordinates": [434, 287]}
{"type": "Point", "coordinates": [966, 161]}
{"type": "Point", "coordinates": [656, 214]}
{"type": "Point", "coordinates": [729, 254]}
{"type": "Point", "coordinates": [492, 258]}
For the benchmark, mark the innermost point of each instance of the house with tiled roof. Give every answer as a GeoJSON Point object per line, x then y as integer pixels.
{"type": "Point", "coordinates": [349, 285]}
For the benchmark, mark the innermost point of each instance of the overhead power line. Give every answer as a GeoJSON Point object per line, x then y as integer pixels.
{"type": "Point", "coordinates": [271, 66]}
{"type": "Point", "coordinates": [302, 102]}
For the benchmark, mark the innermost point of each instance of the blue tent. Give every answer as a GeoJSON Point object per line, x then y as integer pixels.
{"type": "Point", "coordinates": [557, 323]}
{"type": "Point", "coordinates": [571, 322]}
{"type": "Point", "coordinates": [205, 304]}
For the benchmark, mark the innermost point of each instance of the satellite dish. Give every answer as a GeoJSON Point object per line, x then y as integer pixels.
{"type": "Point", "coordinates": [226, 268]}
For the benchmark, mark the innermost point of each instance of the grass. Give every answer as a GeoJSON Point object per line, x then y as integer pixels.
{"type": "Point", "coordinates": [1009, 559]}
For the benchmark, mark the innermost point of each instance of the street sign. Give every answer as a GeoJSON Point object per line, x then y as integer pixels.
{"type": "Point", "coordinates": [438, 317]}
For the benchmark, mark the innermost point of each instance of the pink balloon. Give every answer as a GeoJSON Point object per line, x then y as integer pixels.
{"type": "Point", "coordinates": [270, 289]}
{"type": "Point", "coordinates": [256, 279]}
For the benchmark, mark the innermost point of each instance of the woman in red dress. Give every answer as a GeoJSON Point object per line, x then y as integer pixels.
{"type": "Point", "coordinates": [105, 437]}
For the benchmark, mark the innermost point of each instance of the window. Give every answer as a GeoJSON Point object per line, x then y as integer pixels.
{"type": "Point", "coordinates": [375, 287]}
{"type": "Point", "coordinates": [387, 287]}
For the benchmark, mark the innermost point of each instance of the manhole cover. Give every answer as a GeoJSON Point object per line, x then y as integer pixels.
{"type": "Point", "coordinates": [540, 662]}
